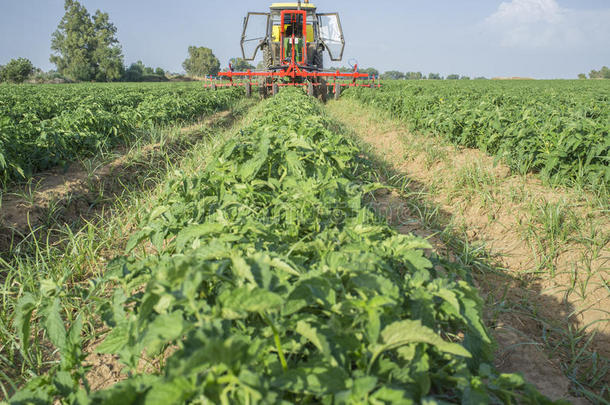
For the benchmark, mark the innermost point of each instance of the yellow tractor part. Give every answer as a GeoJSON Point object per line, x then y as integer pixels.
{"type": "Point", "coordinates": [276, 32]}
{"type": "Point", "coordinates": [283, 6]}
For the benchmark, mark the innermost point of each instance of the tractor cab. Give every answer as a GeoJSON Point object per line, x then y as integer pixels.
{"type": "Point", "coordinates": [292, 32]}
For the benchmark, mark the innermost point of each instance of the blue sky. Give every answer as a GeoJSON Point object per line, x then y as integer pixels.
{"type": "Point", "coordinates": [533, 38]}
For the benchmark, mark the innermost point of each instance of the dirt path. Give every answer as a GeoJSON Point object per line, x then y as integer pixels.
{"type": "Point", "coordinates": [68, 196]}
{"type": "Point", "coordinates": [540, 256]}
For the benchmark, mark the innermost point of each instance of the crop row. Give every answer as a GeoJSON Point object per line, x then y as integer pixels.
{"type": "Point", "coordinates": [560, 129]}
{"type": "Point", "coordinates": [269, 280]}
{"type": "Point", "coordinates": [46, 126]}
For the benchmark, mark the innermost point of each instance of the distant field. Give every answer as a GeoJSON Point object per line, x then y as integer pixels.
{"type": "Point", "coordinates": [558, 128]}
{"type": "Point", "coordinates": [43, 126]}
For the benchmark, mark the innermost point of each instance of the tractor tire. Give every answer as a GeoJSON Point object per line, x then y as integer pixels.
{"type": "Point", "coordinates": [267, 57]}
{"type": "Point", "coordinates": [318, 59]}
{"type": "Point", "coordinates": [248, 90]}
{"type": "Point", "coordinates": [337, 91]}
{"type": "Point", "coordinates": [322, 90]}
{"type": "Point", "coordinates": [311, 89]}
{"type": "Point", "coordinates": [276, 89]}
{"type": "Point", "coordinates": [263, 90]}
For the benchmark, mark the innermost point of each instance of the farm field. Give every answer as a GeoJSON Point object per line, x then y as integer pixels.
{"type": "Point", "coordinates": [312, 253]}
{"type": "Point", "coordinates": [558, 128]}
{"type": "Point", "coordinates": [46, 126]}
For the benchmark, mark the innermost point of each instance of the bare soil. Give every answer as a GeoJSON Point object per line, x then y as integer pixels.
{"type": "Point", "coordinates": [497, 211]}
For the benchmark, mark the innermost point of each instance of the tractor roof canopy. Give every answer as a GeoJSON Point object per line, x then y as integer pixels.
{"type": "Point", "coordinates": [292, 6]}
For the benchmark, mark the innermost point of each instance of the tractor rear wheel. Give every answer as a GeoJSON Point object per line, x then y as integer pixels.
{"type": "Point", "coordinates": [318, 59]}
{"type": "Point", "coordinates": [322, 90]}
{"type": "Point", "coordinates": [263, 90]}
{"type": "Point", "coordinates": [267, 57]}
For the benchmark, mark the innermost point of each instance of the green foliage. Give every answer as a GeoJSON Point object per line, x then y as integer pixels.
{"type": "Point", "coordinates": [201, 62]}
{"type": "Point", "coordinates": [138, 72]}
{"type": "Point", "coordinates": [393, 75]}
{"type": "Point", "coordinates": [45, 126]}
{"type": "Point", "coordinates": [582, 76]}
{"type": "Point", "coordinates": [86, 48]}
{"type": "Point", "coordinates": [370, 71]}
{"type": "Point", "coordinates": [560, 129]}
{"type": "Point", "coordinates": [272, 282]}
{"type": "Point", "coordinates": [16, 71]}
{"type": "Point", "coordinates": [241, 65]}
{"type": "Point", "coordinates": [414, 76]}
{"type": "Point", "coordinates": [453, 77]}
{"type": "Point", "coordinates": [135, 72]}
{"type": "Point", "coordinates": [51, 76]}
{"type": "Point", "coordinates": [603, 73]}
{"type": "Point", "coordinates": [107, 55]}
{"type": "Point", "coordinates": [435, 76]}
{"type": "Point", "coordinates": [342, 69]}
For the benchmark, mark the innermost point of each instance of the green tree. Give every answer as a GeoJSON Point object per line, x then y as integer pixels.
{"type": "Point", "coordinates": [464, 78]}
{"type": "Point", "coordinates": [393, 75]}
{"type": "Point", "coordinates": [201, 62]}
{"type": "Point", "coordinates": [603, 73]}
{"type": "Point", "coordinates": [435, 76]}
{"type": "Point", "coordinates": [453, 77]}
{"type": "Point", "coordinates": [371, 72]}
{"type": "Point", "coordinates": [134, 72]}
{"type": "Point", "coordinates": [16, 71]}
{"type": "Point", "coordinates": [85, 47]}
{"type": "Point", "coordinates": [107, 54]}
{"type": "Point", "coordinates": [138, 72]}
{"type": "Point", "coordinates": [414, 76]}
{"type": "Point", "coordinates": [343, 69]}
{"type": "Point", "coordinates": [241, 65]}
{"type": "Point", "coordinates": [582, 76]}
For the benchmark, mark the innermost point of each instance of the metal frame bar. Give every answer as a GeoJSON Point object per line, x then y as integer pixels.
{"type": "Point", "coordinates": [244, 39]}
{"type": "Point", "coordinates": [283, 15]}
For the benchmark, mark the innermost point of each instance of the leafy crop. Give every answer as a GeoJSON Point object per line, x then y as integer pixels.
{"type": "Point", "coordinates": [560, 129]}
{"type": "Point", "coordinates": [267, 279]}
{"type": "Point", "coordinates": [46, 126]}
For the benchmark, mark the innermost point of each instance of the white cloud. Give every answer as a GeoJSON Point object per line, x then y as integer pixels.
{"type": "Point", "coordinates": [534, 24]}
{"type": "Point", "coordinates": [527, 12]}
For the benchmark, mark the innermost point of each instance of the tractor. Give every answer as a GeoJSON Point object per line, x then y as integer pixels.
{"type": "Point", "coordinates": [292, 38]}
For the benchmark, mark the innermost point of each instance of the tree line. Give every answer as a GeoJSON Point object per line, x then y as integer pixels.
{"type": "Point", "coordinates": [603, 73]}
{"type": "Point", "coordinates": [396, 75]}
{"type": "Point", "coordinates": [85, 47]}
